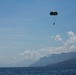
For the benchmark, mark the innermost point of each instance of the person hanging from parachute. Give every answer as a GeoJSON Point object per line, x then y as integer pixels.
{"type": "Point", "coordinates": [53, 13]}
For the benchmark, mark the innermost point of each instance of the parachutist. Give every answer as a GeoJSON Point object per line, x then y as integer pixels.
{"type": "Point", "coordinates": [54, 23]}
{"type": "Point", "coordinates": [53, 13]}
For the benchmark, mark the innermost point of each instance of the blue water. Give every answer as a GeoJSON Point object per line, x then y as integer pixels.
{"type": "Point", "coordinates": [36, 71]}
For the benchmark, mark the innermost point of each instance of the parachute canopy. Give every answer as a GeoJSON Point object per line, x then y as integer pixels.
{"type": "Point", "coordinates": [54, 13]}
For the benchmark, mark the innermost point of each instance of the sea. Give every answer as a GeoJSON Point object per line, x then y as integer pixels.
{"type": "Point", "coordinates": [36, 71]}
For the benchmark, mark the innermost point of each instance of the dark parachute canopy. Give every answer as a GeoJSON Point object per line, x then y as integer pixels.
{"type": "Point", "coordinates": [53, 13]}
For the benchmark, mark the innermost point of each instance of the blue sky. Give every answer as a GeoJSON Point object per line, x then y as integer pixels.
{"type": "Point", "coordinates": [27, 28]}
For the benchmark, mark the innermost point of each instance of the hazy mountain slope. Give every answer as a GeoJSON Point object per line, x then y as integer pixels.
{"type": "Point", "coordinates": [71, 63]}
{"type": "Point", "coordinates": [54, 58]}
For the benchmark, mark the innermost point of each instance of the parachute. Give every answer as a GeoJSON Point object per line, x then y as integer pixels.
{"type": "Point", "coordinates": [53, 13]}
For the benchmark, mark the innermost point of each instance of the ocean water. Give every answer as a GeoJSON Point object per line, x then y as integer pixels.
{"type": "Point", "coordinates": [36, 71]}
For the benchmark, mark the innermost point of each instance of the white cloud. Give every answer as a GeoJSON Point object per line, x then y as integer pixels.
{"type": "Point", "coordinates": [72, 47]}
{"type": "Point", "coordinates": [30, 54]}
{"type": "Point", "coordinates": [71, 33]}
{"type": "Point", "coordinates": [67, 46]}
{"type": "Point", "coordinates": [58, 38]}
{"type": "Point", "coordinates": [72, 37]}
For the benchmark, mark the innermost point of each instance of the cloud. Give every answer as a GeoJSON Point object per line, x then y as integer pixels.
{"type": "Point", "coordinates": [72, 47]}
{"type": "Point", "coordinates": [70, 41]}
{"type": "Point", "coordinates": [67, 46]}
{"type": "Point", "coordinates": [71, 33]}
{"type": "Point", "coordinates": [30, 54]}
{"type": "Point", "coordinates": [72, 37]}
{"type": "Point", "coordinates": [58, 38]}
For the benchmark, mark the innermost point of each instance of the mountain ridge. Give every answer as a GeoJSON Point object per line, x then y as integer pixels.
{"type": "Point", "coordinates": [54, 58]}
{"type": "Point", "coordinates": [71, 63]}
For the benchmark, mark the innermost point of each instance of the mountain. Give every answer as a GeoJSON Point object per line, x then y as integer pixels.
{"type": "Point", "coordinates": [71, 63]}
{"type": "Point", "coordinates": [54, 58]}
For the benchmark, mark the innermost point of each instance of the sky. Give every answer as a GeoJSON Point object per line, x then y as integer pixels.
{"type": "Point", "coordinates": [27, 30]}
